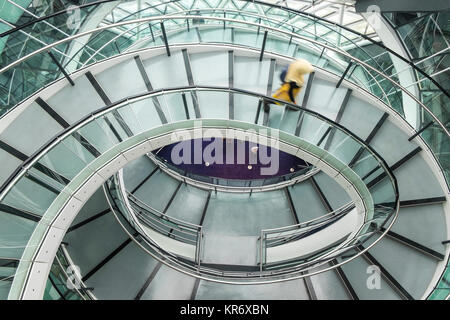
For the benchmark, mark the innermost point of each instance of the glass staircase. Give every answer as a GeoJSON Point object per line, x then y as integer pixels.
{"type": "Point", "coordinates": [53, 130]}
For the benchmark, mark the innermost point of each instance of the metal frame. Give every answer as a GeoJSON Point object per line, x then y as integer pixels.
{"type": "Point", "coordinates": [296, 12]}
{"type": "Point", "coordinates": [137, 21]}
{"type": "Point", "coordinates": [223, 281]}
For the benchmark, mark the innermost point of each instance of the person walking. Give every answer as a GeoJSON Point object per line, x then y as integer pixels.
{"type": "Point", "coordinates": [292, 81]}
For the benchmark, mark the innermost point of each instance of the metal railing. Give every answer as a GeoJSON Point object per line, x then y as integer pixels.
{"type": "Point", "coordinates": [403, 89]}
{"type": "Point", "coordinates": [68, 287]}
{"type": "Point", "coordinates": [171, 227]}
{"type": "Point", "coordinates": [120, 203]}
{"type": "Point", "coordinates": [273, 237]}
{"type": "Point", "coordinates": [383, 216]}
{"type": "Point", "coordinates": [438, 130]}
{"type": "Point", "coordinates": [270, 270]}
{"type": "Point", "coordinates": [177, 262]}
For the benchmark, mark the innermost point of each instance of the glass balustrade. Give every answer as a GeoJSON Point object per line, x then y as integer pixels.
{"type": "Point", "coordinates": [62, 283]}
{"type": "Point", "coordinates": [442, 289]}
{"type": "Point", "coordinates": [42, 70]}
{"type": "Point", "coordinates": [48, 184]}
{"type": "Point", "coordinates": [171, 227]}
{"type": "Point", "coordinates": [283, 19]}
{"type": "Point", "coordinates": [139, 214]}
{"type": "Point", "coordinates": [374, 73]}
{"type": "Point", "coordinates": [274, 237]}
{"type": "Point", "coordinates": [108, 43]}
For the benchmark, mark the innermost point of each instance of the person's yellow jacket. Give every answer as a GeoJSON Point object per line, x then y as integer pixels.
{"type": "Point", "coordinates": [294, 74]}
{"type": "Point", "coordinates": [283, 92]}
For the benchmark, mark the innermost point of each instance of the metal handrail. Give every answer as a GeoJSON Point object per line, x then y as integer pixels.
{"type": "Point", "coordinates": [33, 158]}
{"type": "Point", "coordinates": [204, 272]}
{"type": "Point", "coordinates": [311, 16]}
{"type": "Point", "coordinates": [118, 186]}
{"type": "Point", "coordinates": [333, 250]}
{"type": "Point", "coordinates": [222, 89]}
{"type": "Point", "coordinates": [124, 101]}
{"type": "Point", "coordinates": [161, 18]}
{"type": "Point", "coordinates": [93, 55]}
{"type": "Point", "coordinates": [372, 81]}
{"type": "Point", "coordinates": [316, 222]}
{"type": "Point", "coordinates": [297, 234]}
{"type": "Point", "coordinates": [200, 269]}
{"type": "Point", "coordinates": [303, 224]}
{"type": "Point", "coordinates": [148, 215]}
{"type": "Point", "coordinates": [78, 279]}
{"type": "Point", "coordinates": [175, 220]}
{"type": "Point", "coordinates": [271, 19]}
{"type": "Point", "coordinates": [298, 231]}
{"type": "Point", "coordinates": [159, 228]}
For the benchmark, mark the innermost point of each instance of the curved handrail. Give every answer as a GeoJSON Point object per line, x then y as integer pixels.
{"type": "Point", "coordinates": [319, 221]}
{"type": "Point", "coordinates": [271, 19]}
{"type": "Point", "coordinates": [105, 1]}
{"type": "Point", "coordinates": [263, 3]}
{"type": "Point", "coordinates": [126, 101]}
{"type": "Point", "coordinates": [183, 224]}
{"type": "Point", "coordinates": [137, 21]}
{"type": "Point", "coordinates": [410, 63]}
{"type": "Point", "coordinates": [33, 158]}
{"type": "Point", "coordinates": [92, 55]}
{"type": "Point", "coordinates": [233, 277]}
{"type": "Point", "coordinates": [372, 79]}
{"type": "Point", "coordinates": [182, 27]}
{"type": "Point", "coordinates": [312, 226]}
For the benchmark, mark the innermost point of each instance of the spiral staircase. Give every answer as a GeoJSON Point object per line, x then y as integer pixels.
{"type": "Point", "coordinates": [85, 198]}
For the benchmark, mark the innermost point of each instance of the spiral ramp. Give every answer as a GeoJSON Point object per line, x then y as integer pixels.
{"type": "Point", "coordinates": [56, 148]}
